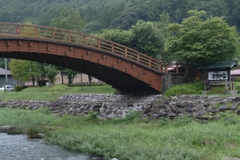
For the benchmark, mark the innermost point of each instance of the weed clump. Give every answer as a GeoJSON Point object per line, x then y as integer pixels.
{"type": "Point", "coordinates": [33, 132]}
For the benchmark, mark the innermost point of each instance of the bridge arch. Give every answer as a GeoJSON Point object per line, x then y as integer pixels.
{"type": "Point", "coordinates": [127, 70]}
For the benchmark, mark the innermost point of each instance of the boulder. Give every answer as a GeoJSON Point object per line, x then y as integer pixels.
{"type": "Point", "coordinates": [13, 130]}
{"type": "Point", "coordinates": [9, 129]}
{"type": "Point", "coordinates": [4, 129]}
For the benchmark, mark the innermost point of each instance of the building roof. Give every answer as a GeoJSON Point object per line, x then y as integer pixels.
{"type": "Point", "coordinates": [235, 72]}
{"type": "Point", "coordinates": [3, 72]}
{"type": "Point", "coordinates": [220, 65]}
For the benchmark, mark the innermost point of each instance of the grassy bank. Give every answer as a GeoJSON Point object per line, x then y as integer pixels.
{"type": "Point", "coordinates": [45, 93]}
{"type": "Point", "coordinates": [131, 138]}
{"type": "Point", "coordinates": [127, 139]}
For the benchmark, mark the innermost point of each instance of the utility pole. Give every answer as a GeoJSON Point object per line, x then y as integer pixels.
{"type": "Point", "coordinates": [81, 81]}
{"type": "Point", "coordinates": [6, 76]}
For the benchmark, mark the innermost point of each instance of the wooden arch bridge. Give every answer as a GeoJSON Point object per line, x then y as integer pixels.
{"type": "Point", "coordinates": [125, 69]}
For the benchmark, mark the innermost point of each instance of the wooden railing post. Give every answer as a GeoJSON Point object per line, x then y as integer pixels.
{"type": "Point", "coordinates": [161, 67]}
{"type": "Point", "coordinates": [150, 62]}
{"type": "Point", "coordinates": [36, 31]}
{"type": "Point", "coordinates": [18, 31]}
{"type": "Point", "coordinates": [125, 52]}
{"type": "Point", "coordinates": [113, 47]}
{"type": "Point", "coordinates": [69, 37]}
{"type": "Point", "coordinates": [84, 40]}
{"type": "Point", "coordinates": [138, 57]}
{"type": "Point", "coordinates": [166, 69]}
{"type": "Point", "coordinates": [99, 44]}
{"type": "Point", "coordinates": [53, 34]}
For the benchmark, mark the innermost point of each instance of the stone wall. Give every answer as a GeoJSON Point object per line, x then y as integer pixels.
{"type": "Point", "coordinates": [149, 107]}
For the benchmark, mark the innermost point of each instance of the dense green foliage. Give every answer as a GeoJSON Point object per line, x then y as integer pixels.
{"type": "Point", "coordinates": [197, 40]}
{"type": "Point", "coordinates": [69, 19]}
{"type": "Point", "coordinates": [115, 13]}
{"type": "Point", "coordinates": [237, 87]}
{"type": "Point", "coordinates": [24, 70]}
{"type": "Point", "coordinates": [190, 88]}
{"type": "Point", "coordinates": [145, 37]}
{"type": "Point", "coordinates": [132, 138]}
{"type": "Point", "coordinates": [217, 90]}
{"type": "Point", "coordinates": [18, 88]}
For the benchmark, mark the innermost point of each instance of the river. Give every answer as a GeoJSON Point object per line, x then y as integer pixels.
{"type": "Point", "coordinates": [20, 147]}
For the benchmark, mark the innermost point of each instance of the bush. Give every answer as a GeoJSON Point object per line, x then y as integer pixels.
{"type": "Point", "coordinates": [91, 116]}
{"type": "Point", "coordinates": [217, 90]}
{"type": "Point", "coordinates": [18, 88]}
{"type": "Point", "coordinates": [237, 80]}
{"type": "Point", "coordinates": [32, 132]}
{"type": "Point", "coordinates": [132, 115]}
{"type": "Point", "coordinates": [190, 88]}
{"type": "Point", "coordinates": [44, 110]}
{"type": "Point", "coordinates": [237, 87]}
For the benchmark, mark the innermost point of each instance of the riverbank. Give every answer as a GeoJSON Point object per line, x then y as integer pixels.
{"type": "Point", "coordinates": [135, 137]}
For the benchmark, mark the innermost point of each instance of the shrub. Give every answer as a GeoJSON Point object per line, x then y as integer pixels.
{"type": "Point", "coordinates": [44, 110]}
{"type": "Point", "coordinates": [132, 115]}
{"type": "Point", "coordinates": [237, 87]}
{"type": "Point", "coordinates": [237, 79]}
{"type": "Point", "coordinates": [217, 90]}
{"type": "Point", "coordinates": [18, 88]}
{"type": "Point", "coordinates": [32, 132]}
{"type": "Point", "coordinates": [91, 116]}
{"type": "Point", "coordinates": [190, 88]}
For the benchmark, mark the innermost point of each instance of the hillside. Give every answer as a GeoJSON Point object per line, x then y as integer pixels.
{"type": "Point", "coordinates": [114, 13]}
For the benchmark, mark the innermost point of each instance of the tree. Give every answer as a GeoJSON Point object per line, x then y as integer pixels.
{"type": "Point", "coordinates": [23, 70]}
{"type": "Point", "coordinates": [51, 73]}
{"type": "Point", "coordinates": [147, 38]}
{"type": "Point", "coordinates": [41, 74]}
{"type": "Point", "coordinates": [90, 79]}
{"type": "Point", "coordinates": [70, 74]}
{"type": "Point", "coordinates": [69, 19]}
{"type": "Point", "coordinates": [117, 35]}
{"type": "Point", "coordinates": [197, 40]}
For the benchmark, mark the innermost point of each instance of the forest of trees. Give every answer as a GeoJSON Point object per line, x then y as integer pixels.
{"type": "Point", "coordinates": [121, 14]}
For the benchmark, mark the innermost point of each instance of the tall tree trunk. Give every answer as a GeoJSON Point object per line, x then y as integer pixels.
{"type": "Point", "coordinates": [90, 79]}
{"type": "Point", "coordinates": [69, 79]}
{"type": "Point", "coordinates": [33, 81]}
{"type": "Point", "coordinates": [62, 76]}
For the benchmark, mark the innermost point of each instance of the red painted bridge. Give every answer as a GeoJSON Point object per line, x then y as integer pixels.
{"type": "Point", "coordinates": [125, 69]}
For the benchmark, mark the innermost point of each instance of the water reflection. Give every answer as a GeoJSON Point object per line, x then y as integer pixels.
{"type": "Point", "coordinates": [19, 147]}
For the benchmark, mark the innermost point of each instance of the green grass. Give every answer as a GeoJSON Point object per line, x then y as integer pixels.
{"type": "Point", "coordinates": [45, 93]}
{"type": "Point", "coordinates": [131, 138]}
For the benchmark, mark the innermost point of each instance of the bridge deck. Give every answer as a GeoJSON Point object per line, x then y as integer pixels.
{"type": "Point", "coordinates": [25, 31]}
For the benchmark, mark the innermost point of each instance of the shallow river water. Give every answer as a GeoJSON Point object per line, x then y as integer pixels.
{"type": "Point", "coordinates": [20, 147]}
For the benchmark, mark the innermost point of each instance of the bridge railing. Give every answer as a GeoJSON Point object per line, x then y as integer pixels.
{"type": "Point", "coordinates": [13, 30]}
